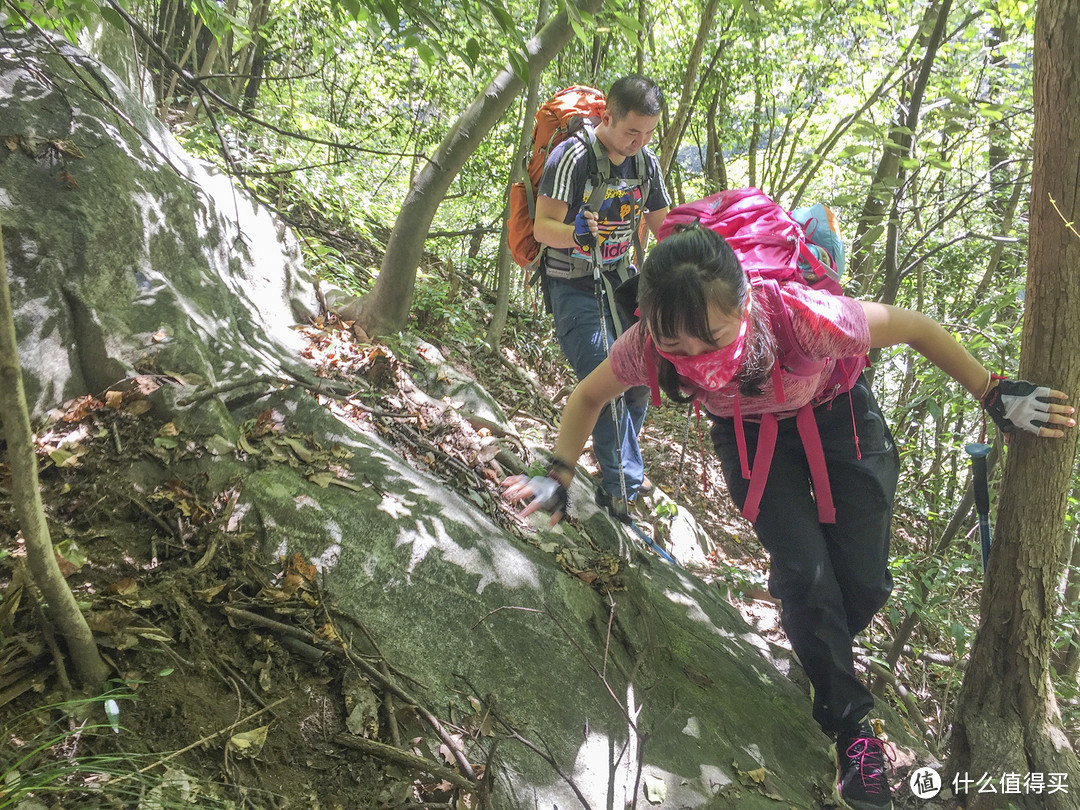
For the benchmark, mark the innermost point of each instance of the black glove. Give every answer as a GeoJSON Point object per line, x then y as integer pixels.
{"type": "Point", "coordinates": [549, 494]}
{"type": "Point", "coordinates": [1018, 405]}
{"type": "Point", "coordinates": [583, 235]}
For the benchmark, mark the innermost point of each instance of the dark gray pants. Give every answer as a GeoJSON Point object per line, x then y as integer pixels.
{"type": "Point", "coordinates": [830, 578]}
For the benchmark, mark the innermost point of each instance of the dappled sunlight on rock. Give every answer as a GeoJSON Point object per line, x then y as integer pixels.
{"type": "Point", "coordinates": [395, 506]}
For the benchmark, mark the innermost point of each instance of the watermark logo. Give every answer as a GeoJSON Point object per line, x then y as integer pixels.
{"type": "Point", "coordinates": [925, 783]}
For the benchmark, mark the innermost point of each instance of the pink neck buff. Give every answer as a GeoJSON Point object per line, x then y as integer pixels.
{"type": "Point", "coordinates": [711, 371]}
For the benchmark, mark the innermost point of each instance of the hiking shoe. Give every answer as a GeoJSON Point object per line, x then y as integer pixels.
{"type": "Point", "coordinates": [614, 506]}
{"type": "Point", "coordinates": [862, 770]}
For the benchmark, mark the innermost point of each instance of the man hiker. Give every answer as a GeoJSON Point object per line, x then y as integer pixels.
{"type": "Point", "coordinates": [596, 189]}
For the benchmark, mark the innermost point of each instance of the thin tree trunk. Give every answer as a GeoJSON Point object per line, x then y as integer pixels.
{"type": "Point", "coordinates": [63, 611]}
{"type": "Point", "coordinates": [502, 261]}
{"type": "Point", "coordinates": [1007, 717]}
{"type": "Point", "coordinates": [755, 125]}
{"type": "Point", "coordinates": [898, 144]}
{"type": "Point", "coordinates": [994, 262]}
{"type": "Point", "coordinates": [1070, 659]}
{"type": "Point", "coordinates": [386, 307]}
{"type": "Point", "coordinates": [670, 145]}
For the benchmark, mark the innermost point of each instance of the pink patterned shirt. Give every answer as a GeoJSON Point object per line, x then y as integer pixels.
{"type": "Point", "coordinates": [826, 327]}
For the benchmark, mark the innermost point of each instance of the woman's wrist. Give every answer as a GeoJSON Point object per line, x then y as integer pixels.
{"type": "Point", "coordinates": [561, 470]}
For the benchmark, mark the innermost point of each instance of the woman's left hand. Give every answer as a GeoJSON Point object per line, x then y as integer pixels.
{"type": "Point", "coordinates": [1020, 405]}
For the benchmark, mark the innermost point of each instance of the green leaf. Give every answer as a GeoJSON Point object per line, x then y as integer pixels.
{"type": "Point", "coordinates": [70, 551]}
{"type": "Point", "coordinates": [354, 9]}
{"type": "Point", "coordinates": [423, 50]}
{"type": "Point", "coordinates": [629, 25]}
{"type": "Point", "coordinates": [873, 234]}
{"type": "Point", "coordinates": [112, 16]}
{"type": "Point", "coordinates": [572, 12]}
{"type": "Point", "coordinates": [472, 51]}
{"type": "Point", "coordinates": [391, 14]}
{"type": "Point", "coordinates": [520, 65]}
{"type": "Point", "coordinates": [934, 407]}
{"type": "Point", "coordinates": [502, 17]}
{"type": "Point", "coordinates": [852, 149]}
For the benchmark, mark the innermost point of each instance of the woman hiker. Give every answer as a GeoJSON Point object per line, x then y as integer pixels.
{"type": "Point", "coordinates": [823, 506]}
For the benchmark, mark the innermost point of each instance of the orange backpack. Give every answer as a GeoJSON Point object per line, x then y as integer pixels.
{"type": "Point", "coordinates": [561, 116]}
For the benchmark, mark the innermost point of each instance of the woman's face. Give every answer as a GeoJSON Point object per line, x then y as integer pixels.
{"type": "Point", "coordinates": [723, 327]}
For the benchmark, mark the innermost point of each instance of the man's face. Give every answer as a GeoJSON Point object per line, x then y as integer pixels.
{"type": "Point", "coordinates": [629, 133]}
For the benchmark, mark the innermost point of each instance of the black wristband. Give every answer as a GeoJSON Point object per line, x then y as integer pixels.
{"type": "Point", "coordinates": [557, 463]}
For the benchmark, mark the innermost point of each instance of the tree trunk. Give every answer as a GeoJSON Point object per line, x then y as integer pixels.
{"type": "Point", "coordinates": [1007, 718]}
{"type": "Point", "coordinates": [898, 144]}
{"type": "Point", "coordinates": [670, 145]}
{"type": "Point", "coordinates": [386, 307]}
{"type": "Point", "coordinates": [503, 262]}
{"type": "Point", "coordinates": [61, 606]}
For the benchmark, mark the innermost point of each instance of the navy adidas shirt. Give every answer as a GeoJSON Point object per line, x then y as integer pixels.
{"type": "Point", "coordinates": [568, 178]}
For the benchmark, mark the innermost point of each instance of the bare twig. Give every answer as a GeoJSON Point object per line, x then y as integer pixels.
{"type": "Point", "coordinates": [373, 673]}
{"type": "Point", "coordinates": [196, 84]}
{"type": "Point", "coordinates": [913, 710]}
{"type": "Point", "coordinates": [388, 704]}
{"type": "Point", "coordinates": [1070, 225]}
{"type": "Point", "coordinates": [550, 760]}
{"type": "Point", "coordinates": [324, 389]}
{"type": "Point", "coordinates": [504, 607]}
{"type": "Point", "coordinates": [150, 513]}
{"type": "Point", "coordinates": [400, 757]}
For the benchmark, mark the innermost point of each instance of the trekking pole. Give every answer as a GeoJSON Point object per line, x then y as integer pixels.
{"type": "Point", "coordinates": [598, 286]}
{"type": "Point", "coordinates": [613, 406]}
{"type": "Point", "coordinates": [978, 453]}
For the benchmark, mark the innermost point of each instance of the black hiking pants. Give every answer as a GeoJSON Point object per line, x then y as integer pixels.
{"type": "Point", "coordinates": [830, 578]}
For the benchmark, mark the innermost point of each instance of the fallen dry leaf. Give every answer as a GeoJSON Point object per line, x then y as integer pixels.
{"type": "Point", "coordinates": [125, 587]}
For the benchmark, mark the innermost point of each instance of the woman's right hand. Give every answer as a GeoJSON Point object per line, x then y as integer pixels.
{"type": "Point", "coordinates": [546, 493]}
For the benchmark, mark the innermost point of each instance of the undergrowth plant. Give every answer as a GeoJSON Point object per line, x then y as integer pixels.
{"type": "Point", "coordinates": [72, 754]}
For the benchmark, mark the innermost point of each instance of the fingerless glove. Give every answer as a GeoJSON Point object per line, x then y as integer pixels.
{"type": "Point", "coordinates": [1018, 405]}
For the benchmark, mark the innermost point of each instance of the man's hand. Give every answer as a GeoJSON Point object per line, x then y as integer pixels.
{"type": "Point", "coordinates": [1020, 405]}
{"type": "Point", "coordinates": [586, 228]}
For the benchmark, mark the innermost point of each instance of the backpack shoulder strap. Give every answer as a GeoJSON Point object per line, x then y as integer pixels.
{"type": "Point", "coordinates": [600, 165]}
{"type": "Point", "coordinates": [642, 164]}
{"type": "Point", "coordinates": [790, 356]}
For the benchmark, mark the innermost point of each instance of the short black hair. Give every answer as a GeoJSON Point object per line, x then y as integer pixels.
{"type": "Point", "coordinates": [634, 94]}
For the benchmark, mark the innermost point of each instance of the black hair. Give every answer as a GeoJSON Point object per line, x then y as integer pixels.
{"type": "Point", "coordinates": [685, 273]}
{"type": "Point", "coordinates": [634, 94]}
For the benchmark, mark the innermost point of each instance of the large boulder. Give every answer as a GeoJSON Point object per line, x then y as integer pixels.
{"type": "Point", "coordinates": [125, 253]}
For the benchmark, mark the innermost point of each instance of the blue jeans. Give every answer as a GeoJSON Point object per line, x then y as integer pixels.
{"type": "Point", "coordinates": [577, 326]}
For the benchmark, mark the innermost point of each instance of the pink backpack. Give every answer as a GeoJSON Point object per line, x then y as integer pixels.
{"type": "Point", "coordinates": [770, 242]}
{"type": "Point", "coordinates": [776, 247]}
